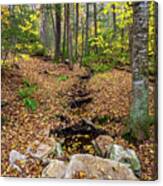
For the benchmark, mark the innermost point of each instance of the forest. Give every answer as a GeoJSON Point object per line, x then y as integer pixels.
{"type": "Point", "coordinates": [79, 90]}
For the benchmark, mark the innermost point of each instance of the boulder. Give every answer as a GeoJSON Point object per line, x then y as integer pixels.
{"type": "Point", "coordinates": [55, 169]}
{"type": "Point", "coordinates": [128, 157]}
{"type": "Point", "coordinates": [101, 144]}
{"type": "Point", "coordinates": [105, 148]}
{"type": "Point", "coordinates": [58, 151]}
{"type": "Point", "coordinates": [42, 151]}
{"type": "Point", "coordinates": [16, 156]}
{"type": "Point", "coordinates": [92, 167]}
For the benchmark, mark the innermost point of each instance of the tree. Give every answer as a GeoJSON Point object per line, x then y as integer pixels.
{"type": "Point", "coordinates": [77, 28]}
{"type": "Point", "coordinates": [64, 30]}
{"type": "Point", "coordinates": [114, 18]}
{"type": "Point", "coordinates": [44, 25]}
{"type": "Point", "coordinates": [53, 25]}
{"type": "Point", "coordinates": [69, 34]}
{"type": "Point", "coordinates": [20, 30]}
{"type": "Point", "coordinates": [87, 29]}
{"type": "Point", "coordinates": [139, 108]}
{"type": "Point", "coordinates": [58, 30]}
{"type": "Point", "coordinates": [95, 23]}
{"type": "Point", "coordinates": [82, 48]}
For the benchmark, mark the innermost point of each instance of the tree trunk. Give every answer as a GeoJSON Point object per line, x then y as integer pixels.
{"type": "Point", "coordinates": [114, 19]}
{"type": "Point", "coordinates": [64, 31]}
{"type": "Point", "coordinates": [53, 25]}
{"type": "Point", "coordinates": [77, 25]}
{"type": "Point", "coordinates": [122, 39]}
{"type": "Point", "coordinates": [58, 30]}
{"type": "Point", "coordinates": [43, 30]}
{"type": "Point", "coordinates": [139, 108]}
{"type": "Point", "coordinates": [82, 50]}
{"type": "Point", "coordinates": [87, 29]}
{"type": "Point", "coordinates": [69, 35]}
{"type": "Point", "coordinates": [95, 23]}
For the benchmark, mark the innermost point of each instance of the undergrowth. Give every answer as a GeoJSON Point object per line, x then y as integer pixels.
{"type": "Point", "coordinates": [26, 93]}
{"type": "Point", "coordinates": [62, 78]}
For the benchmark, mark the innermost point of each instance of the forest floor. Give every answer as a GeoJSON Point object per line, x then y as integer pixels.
{"type": "Point", "coordinates": [109, 94]}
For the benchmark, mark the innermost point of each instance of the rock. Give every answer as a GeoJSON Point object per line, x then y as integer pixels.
{"type": "Point", "coordinates": [55, 169]}
{"type": "Point", "coordinates": [128, 156]}
{"type": "Point", "coordinates": [116, 152]}
{"type": "Point", "coordinates": [92, 167]}
{"type": "Point", "coordinates": [58, 150]}
{"type": "Point", "coordinates": [16, 156]}
{"type": "Point", "coordinates": [42, 151]}
{"type": "Point", "coordinates": [45, 161]}
{"type": "Point", "coordinates": [134, 161]}
{"type": "Point", "coordinates": [101, 144]}
{"type": "Point", "coordinates": [104, 147]}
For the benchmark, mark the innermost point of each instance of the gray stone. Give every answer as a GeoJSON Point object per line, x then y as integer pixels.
{"type": "Point", "coordinates": [43, 150]}
{"type": "Point", "coordinates": [58, 151]}
{"type": "Point", "coordinates": [101, 144]}
{"type": "Point", "coordinates": [116, 152]}
{"type": "Point", "coordinates": [55, 169]}
{"type": "Point", "coordinates": [93, 167]}
{"type": "Point", "coordinates": [14, 156]}
{"type": "Point", "coordinates": [128, 156]}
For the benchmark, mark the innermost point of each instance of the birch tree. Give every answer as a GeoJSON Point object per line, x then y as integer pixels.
{"type": "Point", "coordinates": [139, 108]}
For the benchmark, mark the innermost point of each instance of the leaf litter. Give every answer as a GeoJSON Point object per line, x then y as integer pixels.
{"type": "Point", "coordinates": [111, 99]}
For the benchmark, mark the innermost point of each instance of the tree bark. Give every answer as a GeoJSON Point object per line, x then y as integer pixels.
{"type": "Point", "coordinates": [69, 35]}
{"type": "Point", "coordinates": [43, 30]}
{"type": "Point", "coordinates": [87, 29]}
{"type": "Point", "coordinates": [64, 32]}
{"type": "Point", "coordinates": [139, 108]}
{"type": "Point", "coordinates": [114, 19]}
{"type": "Point", "coordinates": [82, 50]}
{"type": "Point", "coordinates": [58, 30]}
{"type": "Point", "coordinates": [95, 24]}
{"type": "Point", "coordinates": [53, 25]}
{"type": "Point", "coordinates": [77, 28]}
{"type": "Point", "coordinates": [122, 39]}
